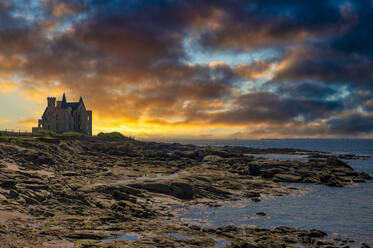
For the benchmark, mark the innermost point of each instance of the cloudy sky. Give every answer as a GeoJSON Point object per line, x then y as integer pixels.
{"type": "Point", "coordinates": [192, 68]}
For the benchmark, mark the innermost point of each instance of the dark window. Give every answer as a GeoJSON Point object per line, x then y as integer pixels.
{"type": "Point", "coordinates": [56, 117]}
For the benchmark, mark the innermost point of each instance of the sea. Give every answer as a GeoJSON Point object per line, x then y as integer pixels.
{"type": "Point", "coordinates": [351, 146]}
{"type": "Point", "coordinates": [342, 212]}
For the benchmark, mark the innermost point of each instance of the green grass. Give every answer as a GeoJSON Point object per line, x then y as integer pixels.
{"type": "Point", "coordinates": [43, 133]}
{"type": "Point", "coordinates": [47, 136]}
{"type": "Point", "coordinates": [5, 138]}
{"type": "Point", "coordinates": [20, 139]}
{"type": "Point", "coordinates": [73, 134]}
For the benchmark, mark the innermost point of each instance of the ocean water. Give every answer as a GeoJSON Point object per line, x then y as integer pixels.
{"type": "Point", "coordinates": [353, 146]}
{"type": "Point", "coordinates": [345, 212]}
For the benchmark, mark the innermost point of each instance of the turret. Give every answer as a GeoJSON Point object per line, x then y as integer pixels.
{"type": "Point", "coordinates": [51, 102]}
{"type": "Point", "coordinates": [64, 103]}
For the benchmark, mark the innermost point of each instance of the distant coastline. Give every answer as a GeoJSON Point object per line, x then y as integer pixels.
{"type": "Point", "coordinates": [339, 145]}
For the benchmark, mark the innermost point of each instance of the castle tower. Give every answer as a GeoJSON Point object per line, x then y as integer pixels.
{"type": "Point", "coordinates": [51, 102]}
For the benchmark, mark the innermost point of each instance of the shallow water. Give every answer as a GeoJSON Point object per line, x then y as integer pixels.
{"type": "Point", "coordinates": [361, 165]}
{"type": "Point", "coordinates": [347, 211]}
{"type": "Point", "coordinates": [129, 237]}
{"type": "Point", "coordinates": [178, 236]}
{"type": "Point", "coordinates": [220, 243]}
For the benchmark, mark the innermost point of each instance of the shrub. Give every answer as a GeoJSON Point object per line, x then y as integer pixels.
{"type": "Point", "coordinates": [113, 135]}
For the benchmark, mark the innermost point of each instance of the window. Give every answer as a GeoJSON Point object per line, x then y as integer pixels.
{"type": "Point", "coordinates": [88, 117]}
{"type": "Point", "coordinates": [57, 117]}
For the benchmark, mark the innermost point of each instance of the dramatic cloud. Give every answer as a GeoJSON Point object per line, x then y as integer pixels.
{"type": "Point", "coordinates": [138, 64]}
{"type": "Point", "coordinates": [265, 107]}
{"type": "Point", "coordinates": [351, 125]}
{"type": "Point", "coordinates": [63, 8]}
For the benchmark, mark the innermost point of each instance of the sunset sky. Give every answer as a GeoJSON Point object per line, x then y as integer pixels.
{"type": "Point", "coordinates": [192, 68]}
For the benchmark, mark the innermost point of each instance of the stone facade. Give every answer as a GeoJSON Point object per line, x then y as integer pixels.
{"type": "Point", "coordinates": [65, 117]}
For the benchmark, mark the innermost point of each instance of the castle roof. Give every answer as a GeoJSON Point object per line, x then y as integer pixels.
{"type": "Point", "coordinates": [72, 105]}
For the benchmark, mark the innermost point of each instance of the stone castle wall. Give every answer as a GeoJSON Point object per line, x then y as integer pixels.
{"type": "Point", "coordinates": [60, 119]}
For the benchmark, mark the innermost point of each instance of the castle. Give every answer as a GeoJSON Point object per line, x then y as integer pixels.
{"type": "Point", "coordinates": [65, 117]}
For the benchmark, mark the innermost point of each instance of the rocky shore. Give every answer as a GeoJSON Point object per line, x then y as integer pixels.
{"type": "Point", "coordinates": [97, 192]}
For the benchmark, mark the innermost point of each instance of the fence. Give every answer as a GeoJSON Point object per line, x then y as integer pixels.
{"type": "Point", "coordinates": [15, 132]}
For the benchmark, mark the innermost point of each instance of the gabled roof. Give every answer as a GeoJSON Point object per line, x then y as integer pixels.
{"type": "Point", "coordinates": [81, 102]}
{"type": "Point", "coordinates": [73, 105]}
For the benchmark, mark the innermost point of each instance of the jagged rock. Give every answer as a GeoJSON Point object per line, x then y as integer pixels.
{"type": "Point", "coordinates": [90, 189]}
{"type": "Point", "coordinates": [8, 183]}
{"type": "Point", "coordinates": [12, 194]}
{"type": "Point", "coordinates": [86, 235]}
{"type": "Point", "coordinates": [179, 190]}
{"type": "Point", "coordinates": [288, 178]}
